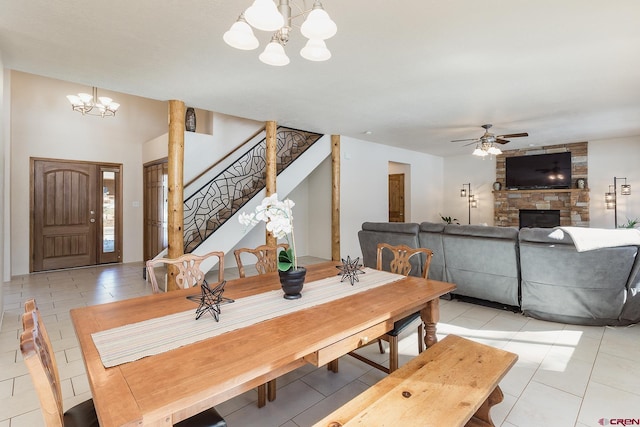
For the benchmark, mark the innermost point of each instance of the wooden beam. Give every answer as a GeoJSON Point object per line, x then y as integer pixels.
{"type": "Point", "coordinates": [175, 184]}
{"type": "Point", "coordinates": [335, 197]}
{"type": "Point", "coordinates": [272, 169]}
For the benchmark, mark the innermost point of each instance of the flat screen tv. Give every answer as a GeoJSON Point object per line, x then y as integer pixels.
{"type": "Point", "coordinates": [538, 171]}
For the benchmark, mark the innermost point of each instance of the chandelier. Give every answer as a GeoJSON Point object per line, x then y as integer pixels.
{"type": "Point", "coordinates": [266, 16]}
{"type": "Point", "coordinates": [93, 105]}
{"type": "Point", "coordinates": [486, 146]}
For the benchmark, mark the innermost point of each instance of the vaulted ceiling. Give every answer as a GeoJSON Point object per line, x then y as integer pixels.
{"type": "Point", "coordinates": [414, 73]}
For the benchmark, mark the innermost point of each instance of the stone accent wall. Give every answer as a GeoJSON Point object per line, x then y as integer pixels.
{"type": "Point", "coordinates": [573, 203]}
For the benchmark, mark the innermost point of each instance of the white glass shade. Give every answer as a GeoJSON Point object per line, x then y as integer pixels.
{"type": "Point", "coordinates": [479, 152]}
{"type": "Point", "coordinates": [240, 36]}
{"type": "Point", "coordinates": [264, 15]}
{"type": "Point", "coordinates": [318, 24]}
{"type": "Point", "coordinates": [494, 150]}
{"type": "Point", "coordinates": [315, 50]}
{"type": "Point", "coordinates": [85, 98]}
{"type": "Point", "coordinates": [74, 99]}
{"type": "Point", "coordinates": [274, 55]}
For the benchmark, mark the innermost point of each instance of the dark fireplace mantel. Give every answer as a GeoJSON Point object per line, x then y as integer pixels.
{"type": "Point", "coordinates": [547, 218]}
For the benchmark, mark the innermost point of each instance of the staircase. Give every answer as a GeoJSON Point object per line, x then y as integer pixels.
{"type": "Point", "coordinates": [214, 203]}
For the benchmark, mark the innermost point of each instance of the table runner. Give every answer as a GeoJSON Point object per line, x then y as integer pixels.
{"type": "Point", "coordinates": [132, 342]}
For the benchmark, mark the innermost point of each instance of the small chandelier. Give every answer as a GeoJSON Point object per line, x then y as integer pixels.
{"type": "Point", "coordinates": [485, 147]}
{"type": "Point", "coordinates": [93, 105]}
{"type": "Point", "coordinates": [264, 15]}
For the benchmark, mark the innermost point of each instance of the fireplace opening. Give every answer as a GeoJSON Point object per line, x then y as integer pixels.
{"type": "Point", "coordinates": [539, 218]}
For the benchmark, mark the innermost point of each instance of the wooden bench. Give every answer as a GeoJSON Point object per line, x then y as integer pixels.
{"type": "Point", "coordinates": [452, 383]}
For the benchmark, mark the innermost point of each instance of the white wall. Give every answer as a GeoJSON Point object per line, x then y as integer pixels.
{"type": "Point", "coordinates": [481, 174]}
{"type": "Point", "coordinates": [43, 125]}
{"type": "Point", "coordinates": [319, 211]}
{"type": "Point", "coordinates": [618, 157]}
{"type": "Point", "coordinates": [364, 179]}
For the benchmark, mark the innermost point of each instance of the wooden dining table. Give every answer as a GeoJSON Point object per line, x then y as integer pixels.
{"type": "Point", "coordinates": [165, 388]}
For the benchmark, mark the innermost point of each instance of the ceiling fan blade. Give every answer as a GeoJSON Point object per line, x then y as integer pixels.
{"type": "Point", "coordinates": [501, 141]}
{"type": "Point", "coordinates": [475, 141]}
{"type": "Point", "coordinates": [513, 135]}
{"type": "Point", "coordinates": [461, 140]}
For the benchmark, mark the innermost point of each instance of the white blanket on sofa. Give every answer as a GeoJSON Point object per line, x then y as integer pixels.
{"type": "Point", "coordinates": [588, 239]}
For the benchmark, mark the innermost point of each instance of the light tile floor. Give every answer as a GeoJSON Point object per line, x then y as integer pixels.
{"type": "Point", "coordinates": [566, 375]}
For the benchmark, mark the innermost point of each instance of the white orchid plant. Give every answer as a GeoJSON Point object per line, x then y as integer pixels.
{"type": "Point", "coordinates": [278, 216]}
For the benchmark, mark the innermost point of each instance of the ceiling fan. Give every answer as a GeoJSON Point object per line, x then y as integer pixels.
{"type": "Point", "coordinates": [485, 144]}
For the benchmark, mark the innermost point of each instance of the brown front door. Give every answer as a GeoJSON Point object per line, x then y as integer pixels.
{"type": "Point", "coordinates": [396, 197]}
{"type": "Point", "coordinates": [67, 215]}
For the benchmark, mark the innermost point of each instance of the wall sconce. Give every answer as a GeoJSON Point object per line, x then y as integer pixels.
{"type": "Point", "coordinates": [611, 198]}
{"type": "Point", "coordinates": [471, 199]}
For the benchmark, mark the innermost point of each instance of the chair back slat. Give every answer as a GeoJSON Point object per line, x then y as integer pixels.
{"type": "Point", "coordinates": [266, 258]}
{"type": "Point", "coordinates": [401, 258]}
{"type": "Point", "coordinates": [186, 269]}
{"type": "Point", "coordinates": [40, 361]}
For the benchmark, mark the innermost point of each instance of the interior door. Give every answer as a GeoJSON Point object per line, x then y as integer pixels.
{"type": "Point", "coordinates": [155, 208]}
{"type": "Point", "coordinates": [396, 197]}
{"type": "Point", "coordinates": [75, 214]}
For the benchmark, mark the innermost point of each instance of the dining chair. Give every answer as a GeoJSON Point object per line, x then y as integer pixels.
{"type": "Point", "coordinates": [266, 258]}
{"type": "Point", "coordinates": [40, 359]}
{"type": "Point", "coordinates": [266, 261]}
{"type": "Point", "coordinates": [400, 263]}
{"type": "Point", "coordinates": [189, 273]}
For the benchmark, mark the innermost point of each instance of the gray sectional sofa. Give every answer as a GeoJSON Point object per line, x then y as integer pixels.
{"type": "Point", "coordinates": [543, 276]}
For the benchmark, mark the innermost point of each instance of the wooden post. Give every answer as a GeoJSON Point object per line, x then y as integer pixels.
{"type": "Point", "coordinates": [335, 197]}
{"type": "Point", "coordinates": [176, 190]}
{"type": "Point", "coordinates": [272, 169]}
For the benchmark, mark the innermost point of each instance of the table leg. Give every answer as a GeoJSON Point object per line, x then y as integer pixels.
{"type": "Point", "coordinates": [430, 315]}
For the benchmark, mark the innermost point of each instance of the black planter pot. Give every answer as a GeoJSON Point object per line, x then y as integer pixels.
{"type": "Point", "coordinates": [292, 282]}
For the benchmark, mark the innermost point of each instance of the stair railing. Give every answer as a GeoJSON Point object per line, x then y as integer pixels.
{"type": "Point", "coordinates": [218, 200]}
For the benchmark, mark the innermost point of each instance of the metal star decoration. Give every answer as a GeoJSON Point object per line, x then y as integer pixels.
{"type": "Point", "coordinates": [350, 269]}
{"type": "Point", "coordinates": [210, 300]}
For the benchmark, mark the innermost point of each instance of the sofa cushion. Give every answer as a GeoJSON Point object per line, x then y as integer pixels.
{"type": "Point", "coordinates": [563, 285]}
{"type": "Point", "coordinates": [430, 237]}
{"type": "Point", "coordinates": [483, 262]}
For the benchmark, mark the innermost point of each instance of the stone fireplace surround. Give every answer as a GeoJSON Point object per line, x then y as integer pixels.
{"type": "Point", "coordinates": [572, 203]}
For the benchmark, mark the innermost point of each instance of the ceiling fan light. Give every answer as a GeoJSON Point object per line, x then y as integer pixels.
{"type": "Point", "coordinates": [315, 50]}
{"type": "Point", "coordinates": [240, 36]}
{"type": "Point", "coordinates": [479, 152]}
{"type": "Point", "coordinates": [274, 54]}
{"type": "Point", "coordinates": [494, 150]}
{"type": "Point", "coordinates": [264, 15]}
{"type": "Point", "coordinates": [318, 24]}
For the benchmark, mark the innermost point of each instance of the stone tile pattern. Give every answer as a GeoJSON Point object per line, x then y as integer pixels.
{"type": "Point", "coordinates": [573, 203]}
